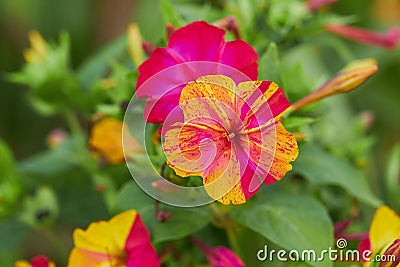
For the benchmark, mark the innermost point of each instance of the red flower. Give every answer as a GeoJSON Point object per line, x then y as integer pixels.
{"type": "Point", "coordinates": [196, 42]}
{"type": "Point", "coordinates": [388, 40]}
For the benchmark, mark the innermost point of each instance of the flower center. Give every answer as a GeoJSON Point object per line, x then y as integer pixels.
{"type": "Point", "coordinates": [228, 135]}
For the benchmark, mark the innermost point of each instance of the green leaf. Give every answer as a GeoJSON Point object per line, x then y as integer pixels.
{"type": "Point", "coordinates": [392, 181]}
{"type": "Point", "coordinates": [96, 66]}
{"type": "Point", "coordinates": [169, 14]}
{"type": "Point", "coordinates": [292, 123]}
{"type": "Point", "coordinates": [269, 64]}
{"type": "Point", "coordinates": [10, 185]}
{"type": "Point", "coordinates": [184, 221]}
{"type": "Point", "coordinates": [79, 201]}
{"type": "Point", "coordinates": [41, 208]}
{"type": "Point", "coordinates": [293, 222]}
{"type": "Point", "coordinates": [283, 15]}
{"type": "Point", "coordinates": [151, 27]}
{"type": "Point", "coordinates": [52, 161]}
{"type": "Point", "coordinates": [12, 233]}
{"type": "Point", "coordinates": [6, 161]}
{"type": "Point", "coordinates": [319, 167]}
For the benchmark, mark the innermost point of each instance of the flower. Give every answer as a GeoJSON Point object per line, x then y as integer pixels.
{"type": "Point", "coordinates": [384, 238]}
{"type": "Point", "coordinates": [313, 5]}
{"type": "Point", "coordinates": [231, 136]}
{"type": "Point", "coordinates": [352, 76]}
{"type": "Point", "coordinates": [122, 241]}
{"type": "Point", "coordinates": [38, 50]}
{"type": "Point", "coordinates": [388, 40]}
{"type": "Point", "coordinates": [195, 42]}
{"type": "Point", "coordinates": [219, 256]}
{"type": "Point", "coordinates": [106, 139]}
{"type": "Point", "coordinates": [56, 137]}
{"type": "Point", "coordinates": [38, 261]}
{"type": "Point", "coordinates": [135, 43]}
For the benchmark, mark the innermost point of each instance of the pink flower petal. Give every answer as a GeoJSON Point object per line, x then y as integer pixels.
{"type": "Point", "coordinates": [224, 257]}
{"type": "Point", "coordinates": [364, 246]}
{"type": "Point", "coordinates": [196, 42]}
{"type": "Point", "coordinates": [241, 56]}
{"type": "Point", "coordinates": [138, 247]}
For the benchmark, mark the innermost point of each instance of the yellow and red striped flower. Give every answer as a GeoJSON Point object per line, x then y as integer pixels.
{"type": "Point", "coordinates": [123, 241]}
{"type": "Point", "coordinates": [231, 136]}
{"type": "Point", "coordinates": [383, 240]}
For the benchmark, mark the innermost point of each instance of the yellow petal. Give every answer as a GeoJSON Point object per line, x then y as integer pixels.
{"type": "Point", "coordinates": [385, 228]}
{"type": "Point", "coordinates": [38, 50]}
{"type": "Point", "coordinates": [135, 43]}
{"type": "Point", "coordinates": [106, 237]}
{"type": "Point", "coordinates": [209, 97]}
{"type": "Point", "coordinates": [22, 263]}
{"type": "Point", "coordinates": [222, 181]}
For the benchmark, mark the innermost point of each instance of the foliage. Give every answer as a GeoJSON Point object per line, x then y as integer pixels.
{"type": "Point", "coordinates": [69, 186]}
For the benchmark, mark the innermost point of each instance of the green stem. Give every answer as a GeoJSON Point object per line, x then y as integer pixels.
{"type": "Point", "coordinates": [230, 227]}
{"type": "Point", "coordinates": [85, 159]}
{"type": "Point", "coordinates": [57, 243]}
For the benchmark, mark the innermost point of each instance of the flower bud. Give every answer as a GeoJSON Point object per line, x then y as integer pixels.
{"type": "Point", "coordinates": [352, 76]}
{"type": "Point", "coordinates": [38, 50]}
{"type": "Point", "coordinates": [388, 40]}
{"type": "Point", "coordinates": [135, 44]}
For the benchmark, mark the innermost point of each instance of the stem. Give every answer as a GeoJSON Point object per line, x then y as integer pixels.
{"type": "Point", "coordinates": [57, 243]}
{"type": "Point", "coordinates": [230, 231]}
{"type": "Point", "coordinates": [85, 160]}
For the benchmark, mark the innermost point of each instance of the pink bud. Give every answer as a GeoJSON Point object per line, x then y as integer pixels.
{"type": "Point", "coordinates": [56, 137]}
{"type": "Point", "coordinates": [388, 40]}
{"type": "Point", "coordinates": [219, 256]}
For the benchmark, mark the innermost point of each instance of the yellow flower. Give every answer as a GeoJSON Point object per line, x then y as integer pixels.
{"type": "Point", "coordinates": [38, 50]}
{"type": "Point", "coordinates": [106, 139]}
{"type": "Point", "coordinates": [384, 239]}
{"type": "Point", "coordinates": [119, 242]}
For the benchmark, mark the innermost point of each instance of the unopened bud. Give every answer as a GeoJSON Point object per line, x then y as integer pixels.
{"type": "Point", "coordinates": [352, 76]}
{"type": "Point", "coordinates": [388, 40]}
{"type": "Point", "coordinates": [135, 44]}
{"type": "Point", "coordinates": [56, 137]}
{"type": "Point", "coordinates": [38, 50]}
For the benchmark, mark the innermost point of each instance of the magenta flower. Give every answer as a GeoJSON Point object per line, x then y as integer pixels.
{"type": "Point", "coordinates": [387, 40]}
{"type": "Point", "coordinates": [219, 256]}
{"type": "Point", "coordinates": [196, 42]}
